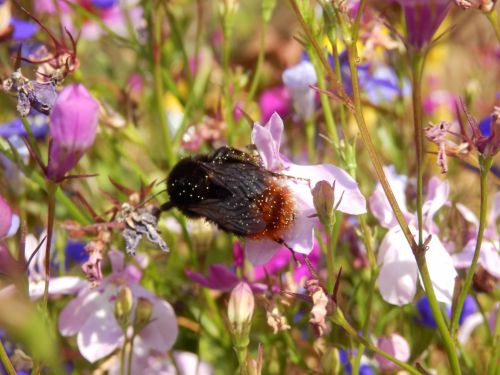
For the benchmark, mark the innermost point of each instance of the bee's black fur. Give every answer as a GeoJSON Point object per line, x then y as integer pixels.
{"type": "Point", "coordinates": [221, 187]}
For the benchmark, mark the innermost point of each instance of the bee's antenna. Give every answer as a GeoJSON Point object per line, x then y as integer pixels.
{"type": "Point", "coordinates": [166, 206]}
{"type": "Point", "coordinates": [150, 198]}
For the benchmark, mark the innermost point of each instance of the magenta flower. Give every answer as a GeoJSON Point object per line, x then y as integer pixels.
{"type": "Point", "coordinates": [5, 218]}
{"type": "Point", "coordinates": [73, 126]}
{"type": "Point", "coordinates": [91, 317]}
{"type": "Point", "coordinates": [276, 99]}
{"type": "Point", "coordinates": [300, 236]}
{"type": "Point", "coordinates": [398, 274]}
{"type": "Point", "coordinates": [394, 345]}
{"type": "Point", "coordinates": [488, 256]}
{"type": "Point", "coordinates": [423, 18]}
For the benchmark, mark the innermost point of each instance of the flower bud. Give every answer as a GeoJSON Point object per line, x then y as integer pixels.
{"type": "Point", "coordinates": [330, 361]}
{"type": "Point", "coordinates": [394, 345]}
{"type": "Point", "coordinates": [323, 198]}
{"type": "Point", "coordinates": [123, 306]}
{"type": "Point", "coordinates": [143, 313]}
{"type": "Point", "coordinates": [73, 126]}
{"type": "Point", "coordinates": [239, 311]}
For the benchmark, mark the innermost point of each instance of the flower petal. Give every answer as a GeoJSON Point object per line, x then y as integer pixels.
{"type": "Point", "coordinates": [467, 214]}
{"type": "Point", "coordinates": [77, 311]}
{"type": "Point", "coordinates": [495, 208]}
{"type": "Point", "coordinates": [441, 269]}
{"type": "Point", "coordinates": [300, 237]}
{"type": "Point", "coordinates": [353, 202]}
{"type": "Point", "coordinates": [117, 259]}
{"type": "Point", "coordinates": [260, 252]}
{"type": "Point", "coordinates": [57, 286]}
{"type": "Point", "coordinates": [437, 197]}
{"type": "Point", "coordinates": [100, 335]}
{"type": "Point", "coordinates": [219, 278]}
{"type": "Point", "coordinates": [160, 334]}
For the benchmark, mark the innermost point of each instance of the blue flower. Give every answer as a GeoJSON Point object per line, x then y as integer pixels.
{"type": "Point", "coordinates": [23, 29]}
{"type": "Point", "coordinates": [75, 253]}
{"type": "Point", "coordinates": [39, 126]}
{"type": "Point", "coordinates": [427, 319]}
{"type": "Point", "coordinates": [364, 369]}
{"type": "Point", "coordinates": [104, 4]}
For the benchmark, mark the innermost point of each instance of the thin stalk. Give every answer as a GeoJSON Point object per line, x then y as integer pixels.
{"type": "Point", "coordinates": [493, 367]}
{"type": "Point", "coordinates": [131, 351]}
{"type": "Point", "coordinates": [199, 34]}
{"type": "Point", "coordinates": [336, 59]}
{"type": "Point", "coordinates": [4, 358]}
{"type": "Point", "coordinates": [371, 289]}
{"type": "Point", "coordinates": [226, 52]}
{"type": "Point", "coordinates": [310, 133]}
{"type": "Point", "coordinates": [416, 70]}
{"type": "Point", "coordinates": [436, 312]}
{"type": "Point", "coordinates": [260, 62]}
{"type": "Point", "coordinates": [158, 86]}
{"type": "Point", "coordinates": [51, 204]}
{"type": "Point", "coordinates": [484, 167]}
{"type": "Point", "coordinates": [241, 352]}
{"type": "Point", "coordinates": [338, 318]}
{"type": "Point", "coordinates": [31, 137]}
{"type": "Point", "coordinates": [122, 356]}
{"type": "Point", "coordinates": [330, 257]}
{"type": "Point", "coordinates": [492, 17]}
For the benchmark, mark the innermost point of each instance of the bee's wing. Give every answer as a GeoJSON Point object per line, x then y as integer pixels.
{"type": "Point", "coordinates": [235, 211]}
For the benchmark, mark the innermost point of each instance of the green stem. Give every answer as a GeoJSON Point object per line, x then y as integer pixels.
{"type": "Point", "coordinates": [493, 368]}
{"type": "Point", "coordinates": [241, 353]}
{"type": "Point", "coordinates": [416, 69]}
{"type": "Point", "coordinates": [338, 318]}
{"type": "Point", "coordinates": [436, 312]}
{"type": "Point", "coordinates": [492, 17]}
{"type": "Point", "coordinates": [158, 86]}
{"type": "Point", "coordinates": [51, 203]}
{"type": "Point", "coordinates": [330, 257]}
{"type": "Point", "coordinates": [310, 133]}
{"type": "Point", "coordinates": [122, 356]}
{"type": "Point", "coordinates": [367, 241]}
{"type": "Point", "coordinates": [6, 361]}
{"type": "Point", "coordinates": [484, 167]}
{"type": "Point", "coordinates": [130, 358]}
{"type": "Point", "coordinates": [226, 52]}
{"type": "Point", "coordinates": [260, 62]}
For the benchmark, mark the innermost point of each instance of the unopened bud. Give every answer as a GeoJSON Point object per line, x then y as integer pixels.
{"type": "Point", "coordinates": [123, 306]}
{"type": "Point", "coordinates": [143, 313]}
{"type": "Point", "coordinates": [323, 198]}
{"type": "Point", "coordinates": [330, 361]}
{"type": "Point", "coordinates": [239, 312]}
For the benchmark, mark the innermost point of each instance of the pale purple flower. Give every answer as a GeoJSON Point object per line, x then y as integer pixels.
{"type": "Point", "coordinates": [423, 18]}
{"type": "Point", "coordinates": [398, 274]}
{"type": "Point", "coordinates": [5, 218]}
{"type": "Point", "coordinates": [90, 315]}
{"type": "Point", "coordinates": [488, 256]}
{"type": "Point", "coordinates": [300, 236]}
{"type": "Point", "coordinates": [220, 277]}
{"type": "Point", "coordinates": [73, 127]}
{"type": "Point", "coordinates": [145, 361]}
{"type": "Point", "coordinates": [298, 80]}
{"type": "Point", "coordinates": [394, 345]}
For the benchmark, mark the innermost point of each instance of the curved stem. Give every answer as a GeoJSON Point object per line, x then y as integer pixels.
{"type": "Point", "coordinates": [338, 318]}
{"type": "Point", "coordinates": [51, 203]}
{"type": "Point", "coordinates": [484, 167]}
{"type": "Point", "coordinates": [4, 358]}
{"type": "Point", "coordinates": [436, 312]}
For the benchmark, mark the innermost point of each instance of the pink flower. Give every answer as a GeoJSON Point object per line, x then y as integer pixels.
{"type": "Point", "coordinates": [275, 99]}
{"type": "Point", "coordinates": [488, 256]}
{"type": "Point", "coordinates": [300, 236]}
{"type": "Point", "coordinates": [73, 127]}
{"type": "Point", "coordinates": [5, 218]}
{"type": "Point", "coordinates": [90, 315]}
{"type": "Point", "coordinates": [394, 345]}
{"type": "Point", "coordinates": [398, 274]}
